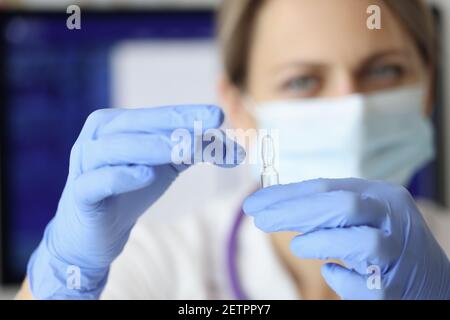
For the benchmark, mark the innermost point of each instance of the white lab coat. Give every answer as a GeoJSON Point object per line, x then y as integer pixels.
{"type": "Point", "coordinates": [186, 257]}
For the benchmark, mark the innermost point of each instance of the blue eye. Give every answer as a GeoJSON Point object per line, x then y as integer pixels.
{"type": "Point", "coordinates": [302, 84]}
{"type": "Point", "coordinates": [386, 72]}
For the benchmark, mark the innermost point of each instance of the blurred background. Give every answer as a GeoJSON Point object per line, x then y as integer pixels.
{"type": "Point", "coordinates": [130, 53]}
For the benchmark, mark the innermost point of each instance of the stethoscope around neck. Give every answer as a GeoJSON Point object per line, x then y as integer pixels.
{"type": "Point", "coordinates": [232, 251]}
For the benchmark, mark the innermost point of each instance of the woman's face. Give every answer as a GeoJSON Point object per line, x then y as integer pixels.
{"type": "Point", "coordinates": [321, 48]}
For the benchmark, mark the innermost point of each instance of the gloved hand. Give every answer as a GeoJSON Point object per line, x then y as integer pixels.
{"type": "Point", "coordinates": [119, 166]}
{"type": "Point", "coordinates": [373, 227]}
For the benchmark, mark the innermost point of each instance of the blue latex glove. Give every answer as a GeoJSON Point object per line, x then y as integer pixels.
{"type": "Point", "coordinates": [370, 226]}
{"type": "Point", "coordinates": [119, 166]}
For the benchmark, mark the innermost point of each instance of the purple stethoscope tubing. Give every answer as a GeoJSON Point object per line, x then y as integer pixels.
{"type": "Point", "coordinates": [231, 258]}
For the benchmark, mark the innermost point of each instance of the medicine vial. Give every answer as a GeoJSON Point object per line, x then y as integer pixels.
{"type": "Point", "coordinates": [269, 176]}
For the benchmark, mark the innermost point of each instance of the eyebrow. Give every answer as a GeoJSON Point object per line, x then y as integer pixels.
{"type": "Point", "coordinates": [368, 60]}
{"type": "Point", "coordinates": [380, 55]}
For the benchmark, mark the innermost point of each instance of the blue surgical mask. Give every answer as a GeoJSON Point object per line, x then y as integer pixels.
{"type": "Point", "coordinates": [381, 136]}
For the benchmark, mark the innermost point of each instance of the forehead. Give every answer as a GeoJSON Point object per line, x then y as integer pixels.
{"type": "Point", "coordinates": [324, 31]}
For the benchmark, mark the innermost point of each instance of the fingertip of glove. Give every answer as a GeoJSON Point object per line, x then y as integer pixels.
{"type": "Point", "coordinates": [252, 203]}
{"type": "Point", "coordinates": [248, 206]}
{"type": "Point", "coordinates": [215, 116]}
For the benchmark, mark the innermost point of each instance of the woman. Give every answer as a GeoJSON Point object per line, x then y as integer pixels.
{"type": "Point", "coordinates": [348, 101]}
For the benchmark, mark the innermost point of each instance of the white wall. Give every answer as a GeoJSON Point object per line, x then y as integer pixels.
{"type": "Point", "coordinates": [149, 73]}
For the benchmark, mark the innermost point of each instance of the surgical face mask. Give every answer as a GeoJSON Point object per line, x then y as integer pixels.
{"type": "Point", "coordinates": [382, 136]}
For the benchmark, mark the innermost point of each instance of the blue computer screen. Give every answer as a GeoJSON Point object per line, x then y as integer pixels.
{"type": "Point", "coordinates": [52, 78]}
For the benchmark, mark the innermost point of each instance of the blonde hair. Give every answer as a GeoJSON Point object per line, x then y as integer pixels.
{"type": "Point", "coordinates": [236, 20]}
